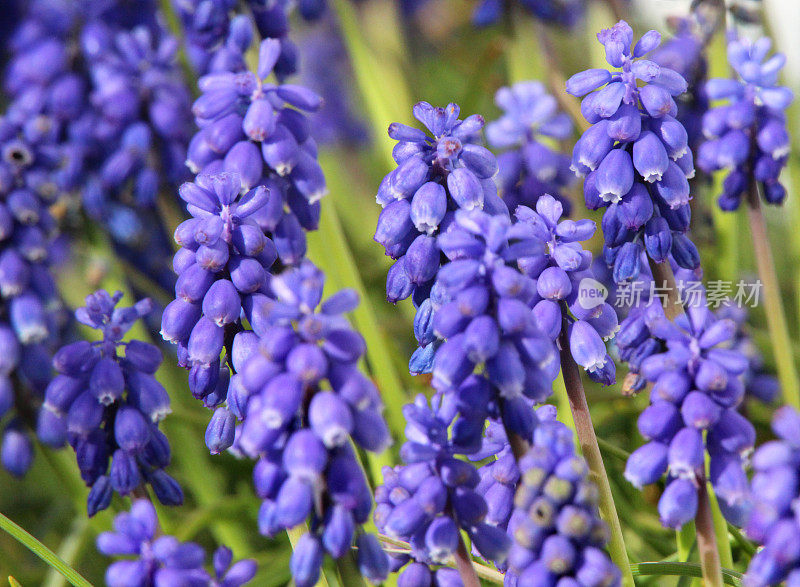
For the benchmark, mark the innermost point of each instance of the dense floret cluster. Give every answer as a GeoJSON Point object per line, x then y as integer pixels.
{"type": "Point", "coordinates": [303, 400]}
{"type": "Point", "coordinates": [107, 405]}
{"type": "Point", "coordinates": [773, 522]}
{"type": "Point", "coordinates": [636, 156]}
{"type": "Point", "coordinates": [748, 134]}
{"type": "Point", "coordinates": [163, 560]}
{"type": "Point", "coordinates": [530, 167]}
{"type": "Point", "coordinates": [558, 534]}
{"type": "Point", "coordinates": [697, 387]}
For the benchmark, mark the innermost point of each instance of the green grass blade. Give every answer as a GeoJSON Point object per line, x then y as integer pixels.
{"type": "Point", "coordinates": [44, 553]}
{"type": "Point", "coordinates": [379, 77]}
{"type": "Point", "coordinates": [681, 570]}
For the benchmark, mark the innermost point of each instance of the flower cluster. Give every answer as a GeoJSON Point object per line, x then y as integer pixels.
{"type": "Point", "coordinates": [635, 156]}
{"type": "Point", "coordinates": [565, 287]}
{"type": "Point", "coordinates": [434, 496]}
{"type": "Point", "coordinates": [108, 406]}
{"type": "Point", "coordinates": [558, 534]}
{"type": "Point", "coordinates": [133, 132]}
{"type": "Point", "coordinates": [436, 175]}
{"type": "Point", "coordinates": [530, 168]}
{"type": "Point", "coordinates": [256, 129]}
{"type": "Point", "coordinates": [223, 269]}
{"type": "Point", "coordinates": [163, 560]}
{"type": "Point", "coordinates": [215, 41]}
{"type": "Point", "coordinates": [38, 164]}
{"type": "Point", "coordinates": [484, 314]}
{"type": "Point", "coordinates": [697, 387]}
{"type": "Point", "coordinates": [773, 522]}
{"type": "Point", "coordinates": [684, 53]}
{"type": "Point", "coordinates": [302, 399]}
{"type": "Point", "coordinates": [566, 13]}
{"type": "Point", "coordinates": [748, 135]}
{"type": "Point", "coordinates": [326, 69]}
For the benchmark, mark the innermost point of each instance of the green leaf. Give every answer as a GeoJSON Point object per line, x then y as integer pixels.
{"type": "Point", "coordinates": [44, 553]}
{"type": "Point", "coordinates": [662, 569]}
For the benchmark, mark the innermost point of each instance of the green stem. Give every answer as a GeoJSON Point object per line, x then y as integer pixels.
{"type": "Point", "coordinates": [721, 531]}
{"type": "Point", "coordinates": [44, 553]}
{"type": "Point", "coordinates": [685, 537]}
{"type": "Point", "coordinates": [773, 306]}
{"type": "Point", "coordinates": [591, 452]}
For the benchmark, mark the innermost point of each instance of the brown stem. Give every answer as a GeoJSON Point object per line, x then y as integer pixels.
{"type": "Point", "coordinates": [704, 522]}
{"type": "Point", "coordinates": [707, 538]}
{"type": "Point", "coordinates": [776, 316]}
{"type": "Point", "coordinates": [618, 9]}
{"type": "Point", "coordinates": [464, 565]}
{"type": "Point", "coordinates": [556, 80]}
{"type": "Point", "coordinates": [665, 280]}
{"type": "Point", "coordinates": [591, 452]}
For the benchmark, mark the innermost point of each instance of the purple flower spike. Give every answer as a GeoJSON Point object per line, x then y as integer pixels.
{"type": "Point", "coordinates": [771, 523]}
{"type": "Point", "coordinates": [555, 522]}
{"type": "Point", "coordinates": [530, 169]}
{"type": "Point", "coordinates": [747, 136]}
{"type": "Point", "coordinates": [161, 559]}
{"type": "Point", "coordinates": [113, 426]}
{"type": "Point", "coordinates": [695, 366]}
{"type": "Point", "coordinates": [633, 156]}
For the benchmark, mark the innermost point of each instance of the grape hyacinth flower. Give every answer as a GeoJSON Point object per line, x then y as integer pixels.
{"type": "Point", "coordinates": [565, 13]}
{"type": "Point", "coordinates": [773, 521]}
{"type": "Point", "coordinates": [530, 168]}
{"type": "Point", "coordinates": [559, 537]}
{"type": "Point", "coordinates": [697, 387]}
{"type": "Point", "coordinates": [302, 400]}
{"type": "Point", "coordinates": [747, 136]}
{"type": "Point", "coordinates": [163, 560]}
{"type": "Point", "coordinates": [108, 406]}
{"type": "Point", "coordinates": [685, 54]}
{"type": "Point", "coordinates": [567, 293]}
{"type": "Point", "coordinates": [38, 164]}
{"type": "Point", "coordinates": [327, 70]}
{"type": "Point", "coordinates": [135, 133]}
{"type": "Point", "coordinates": [223, 271]}
{"type": "Point", "coordinates": [484, 315]}
{"type": "Point", "coordinates": [635, 156]}
{"type": "Point", "coordinates": [436, 175]}
{"type": "Point", "coordinates": [257, 129]}
{"type": "Point", "coordinates": [430, 499]}
{"type": "Point", "coordinates": [215, 40]}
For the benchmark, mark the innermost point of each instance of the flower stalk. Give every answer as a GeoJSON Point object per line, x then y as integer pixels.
{"type": "Point", "coordinates": [591, 452]}
{"type": "Point", "coordinates": [776, 316]}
